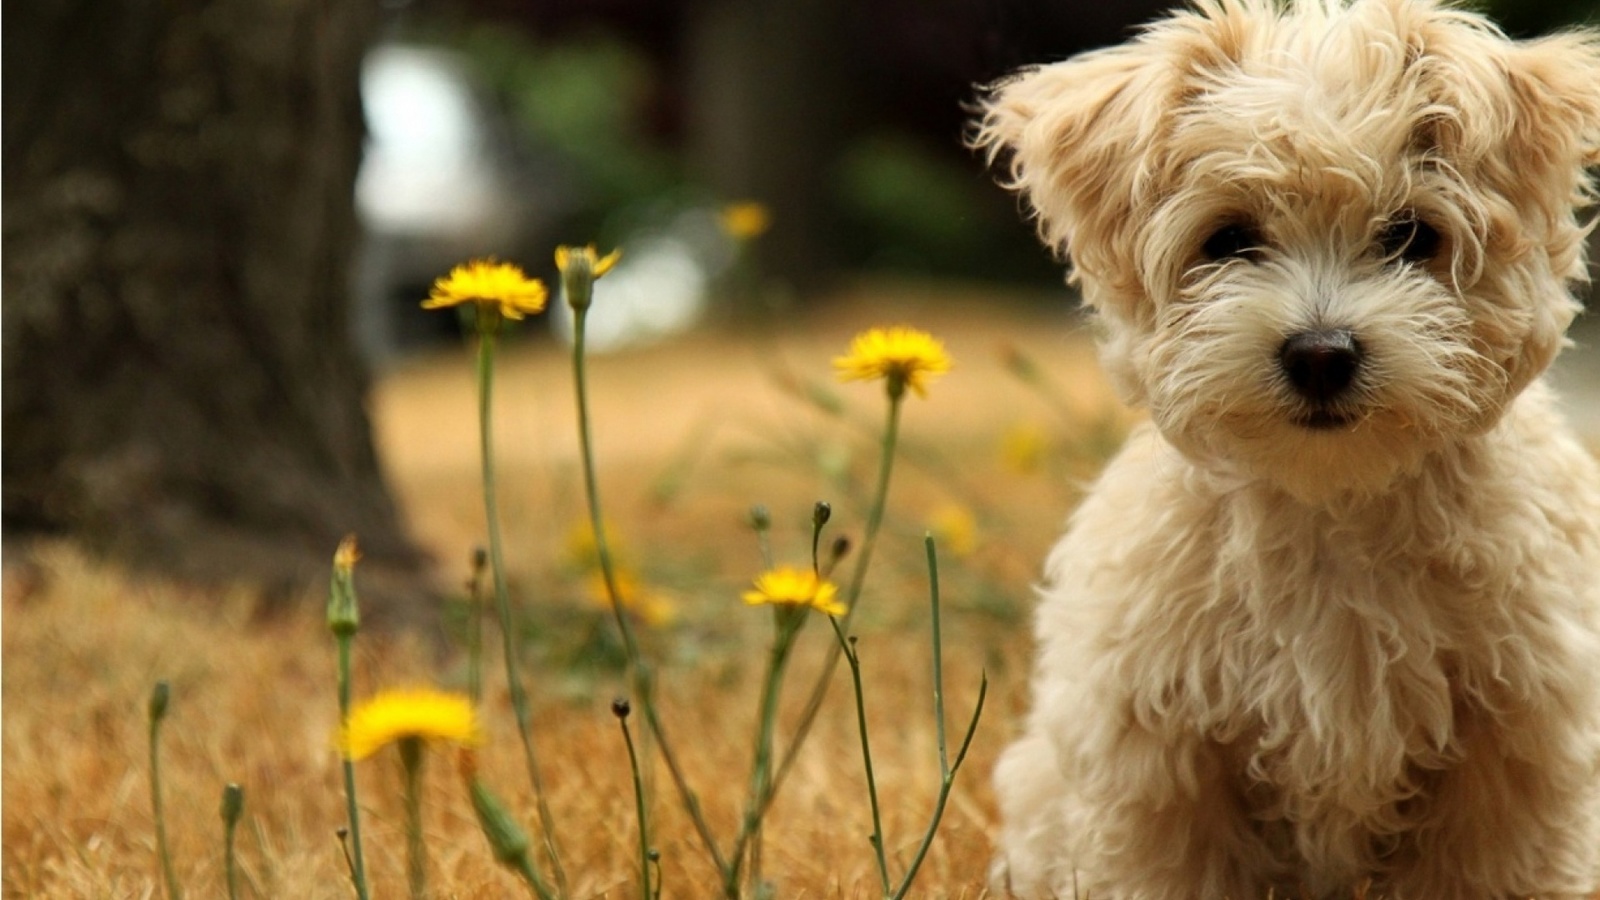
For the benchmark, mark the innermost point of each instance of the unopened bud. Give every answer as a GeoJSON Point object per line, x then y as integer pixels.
{"type": "Point", "coordinates": [160, 696]}
{"type": "Point", "coordinates": [620, 707]}
{"type": "Point", "coordinates": [344, 614]}
{"type": "Point", "coordinates": [821, 513]}
{"type": "Point", "coordinates": [841, 547]}
{"type": "Point", "coordinates": [760, 517]}
{"type": "Point", "coordinates": [507, 840]}
{"type": "Point", "coordinates": [232, 804]}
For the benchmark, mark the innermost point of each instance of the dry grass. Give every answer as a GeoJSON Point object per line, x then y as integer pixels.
{"type": "Point", "coordinates": [689, 436]}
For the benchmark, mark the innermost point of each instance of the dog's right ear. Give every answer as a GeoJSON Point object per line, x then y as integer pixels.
{"type": "Point", "coordinates": [1076, 140]}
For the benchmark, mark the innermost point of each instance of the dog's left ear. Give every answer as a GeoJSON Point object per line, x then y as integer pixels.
{"type": "Point", "coordinates": [1521, 118]}
{"type": "Point", "coordinates": [1525, 115]}
{"type": "Point", "coordinates": [1555, 86]}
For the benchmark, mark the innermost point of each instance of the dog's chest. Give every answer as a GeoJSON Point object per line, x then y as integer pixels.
{"type": "Point", "coordinates": [1337, 659]}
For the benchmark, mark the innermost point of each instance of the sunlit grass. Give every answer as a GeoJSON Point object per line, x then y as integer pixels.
{"type": "Point", "coordinates": [252, 701]}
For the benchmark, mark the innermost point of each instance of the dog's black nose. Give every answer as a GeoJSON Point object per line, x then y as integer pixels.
{"type": "Point", "coordinates": [1321, 364]}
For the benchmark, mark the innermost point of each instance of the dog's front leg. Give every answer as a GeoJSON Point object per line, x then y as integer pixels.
{"type": "Point", "coordinates": [1503, 826]}
{"type": "Point", "coordinates": [1160, 819]}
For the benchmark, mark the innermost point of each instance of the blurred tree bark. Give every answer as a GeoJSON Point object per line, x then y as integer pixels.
{"type": "Point", "coordinates": [181, 388]}
{"type": "Point", "coordinates": [765, 119]}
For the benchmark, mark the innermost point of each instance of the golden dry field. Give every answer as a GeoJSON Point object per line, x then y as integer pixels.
{"type": "Point", "coordinates": [689, 434]}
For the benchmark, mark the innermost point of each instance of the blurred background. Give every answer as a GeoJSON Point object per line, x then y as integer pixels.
{"type": "Point", "coordinates": [220, 217]}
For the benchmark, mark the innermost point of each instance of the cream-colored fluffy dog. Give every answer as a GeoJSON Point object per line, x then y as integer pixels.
{"type": "Point", "coordinates": [1331, 621]}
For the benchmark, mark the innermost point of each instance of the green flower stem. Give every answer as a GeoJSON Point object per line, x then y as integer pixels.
{"type": "Point", "coordinates": [411, 755]}
{"type": "Point", "coordinates": [620, 708]}
{"type": "Point", "coordinates": [788, 624]}
{"type": "Point", "coordinates": [358, 872]}
{"type": "Point", "coordinates": [947, 770]}
{"type": "Point", "coordinates": [880, 500]}
{"type": "Point", "coordinates": [159, 698]}
{"type": "Point", "coordinates": [853, 658]}
{"type": "Point", "coordinates": [475, 603]}
{"type": "Point", "coordinates": [946, 782]}
{"type": "Point", "coordinates": [487, 332]}
{"type": "Point", "coordinates": [643, 686]}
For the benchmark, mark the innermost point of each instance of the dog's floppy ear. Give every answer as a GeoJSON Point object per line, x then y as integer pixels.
{"type": "Point", "coordinates": [1523, 118]}
{"type": "Point", "coordinates": [1073, 139]}
{"type": "Point", "coordinates": [1555, 90]}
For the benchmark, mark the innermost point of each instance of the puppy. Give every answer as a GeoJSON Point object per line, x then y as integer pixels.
{"type": "Point", "coordinates": [1329, 625]}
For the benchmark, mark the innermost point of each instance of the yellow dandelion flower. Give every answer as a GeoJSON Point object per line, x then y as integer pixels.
{"type": "Point", "coordinates": [789, 586]}
{"type": "Point", "coordinates": [567, 257]}
{"type": "Point", "coordinates": [582, 551]}
{"type": "Point", "coordinates": [956, 529]}
{"type": "Point", "coordinates": [421, 713]}
{"type": "Point", "coordinates": [650, 606]}
{"type": "Point", "coordinates": [745, 221]}
{"type": "Point", "coordinates": [1023, 447]}
{"type": "Point", "coordinates": [490, 284]}
{"type": "Point", "coordinates": [904, 356]}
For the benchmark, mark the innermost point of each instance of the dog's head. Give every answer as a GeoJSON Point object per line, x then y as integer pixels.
{"type": "Point", "coordinates": [1323, 240]}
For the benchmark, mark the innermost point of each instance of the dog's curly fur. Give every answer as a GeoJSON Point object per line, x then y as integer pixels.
{"type": "Point", "coordinates": [1331, 621]}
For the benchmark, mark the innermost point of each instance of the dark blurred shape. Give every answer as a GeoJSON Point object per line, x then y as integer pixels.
{"type": "Point", "coordinates": [181, 387]}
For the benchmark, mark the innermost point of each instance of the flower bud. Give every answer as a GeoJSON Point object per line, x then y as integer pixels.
{"type": "Point", "coordinates": [344, 614]}
{"type": "Point", "coordinates": [232, 804]}
{"type": "Point", "coordinates": [507, 840]}
{"type": "Point", "coordinates": [760, 517]}
{"type": "Point", "coordinates": [159, 698]}
{"type": "Point", "coordinates": [821, 513]}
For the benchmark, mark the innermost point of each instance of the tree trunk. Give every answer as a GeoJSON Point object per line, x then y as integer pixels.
{"type": "Point", "coordinates": [181, 387]}
{"type": "Point", "coordinates": [765, 121]}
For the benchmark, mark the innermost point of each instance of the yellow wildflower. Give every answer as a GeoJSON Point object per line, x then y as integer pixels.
{"type": "Point", "coordinates": [1023, 447]}
{"type": "Point", "coordinates": [421, 713]}
{"type": "Point", "coordinates": [582, 551]}
{"type": "Point", "coordinates": [598, 265]}
{"type": "Point", "coordinates": [745, 221]}
{"type": "Point", "coordinates": [905, 356]}
{"type": "Point", "coordinates": [650, 606]}
{"type": "Point", "coordinates": [491, 285]}
{"type": "Point", "coordinates": [789, 586]}
{"type": "Point", "coordinates": [956, 529]}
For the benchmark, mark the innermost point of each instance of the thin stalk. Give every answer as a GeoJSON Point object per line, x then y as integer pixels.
{"type": "Point", "coordinates": [880, 499]}
{"type": "Point", "coordinates": [411, 753]}
{"type": "Point", "coordinates": [642, 682]}
{"type": "Point", "coordinates": [158, 710]}
{"type": "Point", "coordinates": [788, 626]}
{"type": "Point", "coordinates": [938, 650]}
{"type": "Point", "coordinates": [475, 603]}
{"type": "Point", "coordinates": [945, 784]}
{"type": "Point", "coordinates": [947, 771]}
{"type": "Point", "coordinates": [639, 804]}
{"type": "Point", "coordinates": [358, 871]}
{"type": "Point", "coordinates": [519, 697]}
{"type": "Point", "coordinates": [854, 660]}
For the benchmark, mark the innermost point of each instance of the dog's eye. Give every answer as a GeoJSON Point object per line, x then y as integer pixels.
{"type": "Point", "coordinates": [1410, 239]}
{"type": "Point", "coordinates": [1232, 241]}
